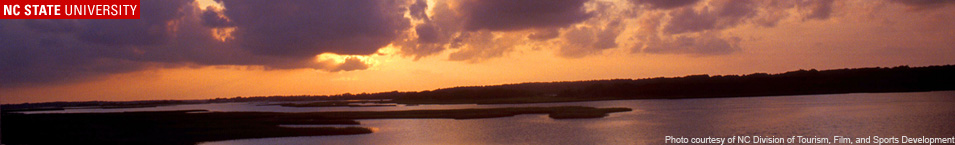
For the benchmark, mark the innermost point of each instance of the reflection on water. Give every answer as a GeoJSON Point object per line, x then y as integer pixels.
{"type": "Point", "coordinates": [852, 115]}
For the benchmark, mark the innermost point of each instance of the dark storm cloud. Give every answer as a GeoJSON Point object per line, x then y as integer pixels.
{"type": "Point", "coordinates": [731, 13]}
{"type": "Point", "coordinates": [432, 35]}
{"type": "Point", "coordinates": [607, 38]}
{"type": "Point", "coordinates": [174, 33]}
{"type": "Point", "coordinates": [585, 41]}
{"type": "Point", "coordinates": [467, 25]}
{"type": "Point", "coordinates": [427, 33]}
{"type": "Point", "coordinates": [821, 9]}
{"type": "Point", "coordinates": [213, 18]}
{"type": "Point", "coordinates": [304, 28]}
{"type": "Point", "coordinates": [725, 15]}
{"type": "Point", "coordinates": [924, 4]}
{"type": "Point", "coordinates": [49, 51]}
{"type": "Point", "coordinates": [51, 25]}
{"type": "Point", "coordinates": [417, 10]}
{"type": "Point", "coordinates": [664, 4]}
{"type": "Point", "coordinates": [503, 15]}
{"type": "Point", "coordinates": [698, 31]}
{"type": "Point", "coordinates": [150, 29]}
{"type": "Point", "coordinates": [480, 46]}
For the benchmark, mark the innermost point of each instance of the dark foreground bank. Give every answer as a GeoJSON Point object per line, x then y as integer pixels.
{"type": "Point", "coordinates": [193, 126]}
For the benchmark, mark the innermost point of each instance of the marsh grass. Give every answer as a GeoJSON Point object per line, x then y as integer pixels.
{"type": "Point", "coordinates": [190, 127]}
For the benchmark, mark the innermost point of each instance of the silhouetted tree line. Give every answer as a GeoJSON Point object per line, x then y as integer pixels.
{"type": "Point", "coordinates": [800, 82]}
{"type": "Point", "coordinates": [896, 79]}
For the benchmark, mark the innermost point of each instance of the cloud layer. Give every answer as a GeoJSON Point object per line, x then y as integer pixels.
{"type": "Point", "coordinates": [308, 27]}
{"type": "Point", "coordinates": [503, 15]}
{"type": "Point", "coordinates": [175, 33]}
{"type": "Point", "coordinates": [291, 34]}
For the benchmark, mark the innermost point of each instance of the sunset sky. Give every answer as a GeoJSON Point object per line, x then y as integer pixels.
{"type": "Point", "coordinates": [206, 49]}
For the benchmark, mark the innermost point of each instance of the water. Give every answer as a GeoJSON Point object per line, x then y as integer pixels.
{"type": "Point", "coordinates": [929, 114]}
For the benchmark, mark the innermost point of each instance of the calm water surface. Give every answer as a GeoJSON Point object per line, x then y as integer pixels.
{"type": "Point", "coordinates": [930, 114]}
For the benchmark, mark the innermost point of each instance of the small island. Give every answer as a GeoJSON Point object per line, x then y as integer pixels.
{"type": "Point", "coordinates": [336, 103]}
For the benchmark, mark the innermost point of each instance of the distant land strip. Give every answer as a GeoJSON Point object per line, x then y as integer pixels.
{"type": "Point", "coordinates": [799, 82]}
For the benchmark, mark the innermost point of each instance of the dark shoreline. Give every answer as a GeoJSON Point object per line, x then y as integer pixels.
{"type": "Point", "coordinates": [194, 126]}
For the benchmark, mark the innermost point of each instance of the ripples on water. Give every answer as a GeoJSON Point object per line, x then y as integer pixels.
{"type": "Point", "coordinates": [927, 114]}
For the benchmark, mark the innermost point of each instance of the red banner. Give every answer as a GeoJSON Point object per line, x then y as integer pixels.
{"type": "Point", "coordinates": [70, 9]}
